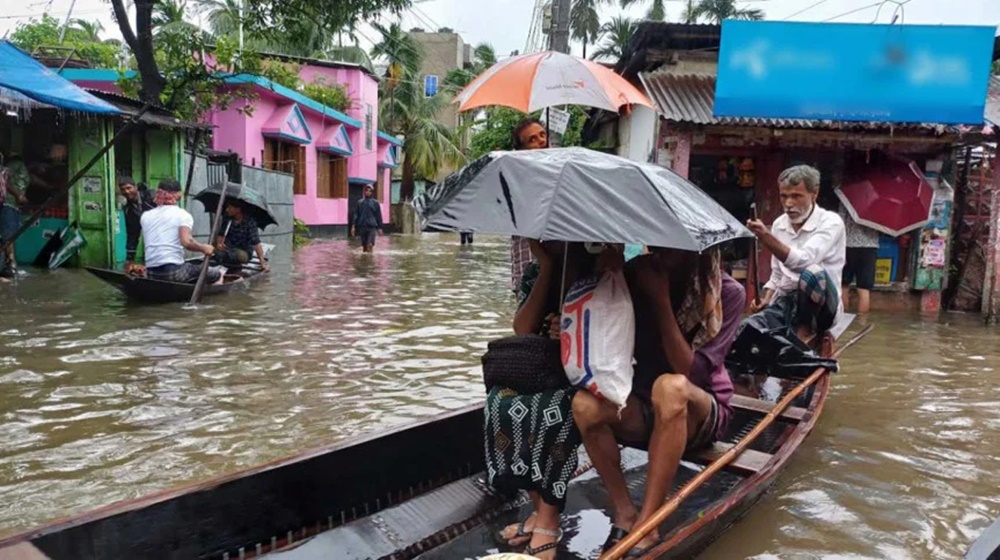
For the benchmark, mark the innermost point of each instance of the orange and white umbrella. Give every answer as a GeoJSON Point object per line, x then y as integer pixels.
{"type": "Point", "coordinates": [536, 81]}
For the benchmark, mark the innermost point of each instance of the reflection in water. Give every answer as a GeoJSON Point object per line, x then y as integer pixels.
{"type": "Point", "coordinates": [101, 401]}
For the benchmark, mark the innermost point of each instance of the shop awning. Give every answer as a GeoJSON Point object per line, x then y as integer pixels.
{"type": "Point", "coordinates": [25, 75]}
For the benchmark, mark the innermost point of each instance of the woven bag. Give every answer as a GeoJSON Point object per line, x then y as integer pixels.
{"type": "Point", "coordinates": [527, 364]}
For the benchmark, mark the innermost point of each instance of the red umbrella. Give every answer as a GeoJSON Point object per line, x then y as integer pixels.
{"type": "Point", "coordinates": [892, 197]}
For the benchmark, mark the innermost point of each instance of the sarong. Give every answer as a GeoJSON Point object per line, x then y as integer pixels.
{"type": "Point", "coordinates": [531, 442]}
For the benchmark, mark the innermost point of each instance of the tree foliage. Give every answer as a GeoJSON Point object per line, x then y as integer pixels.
{"type": "Point", "coordinates": [176, 71]}
{"type": "Point", "coordinates": [715, 11]}
{"type": "Point", "coordinates": [85, 39]}
{"type": "Point", "coordinates": [494, 130]}
{"type": "Point", "coordinates": [616, 35]}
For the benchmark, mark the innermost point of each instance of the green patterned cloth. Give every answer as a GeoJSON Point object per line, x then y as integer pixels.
{"type": "Point", "coordinates": [531, 442]}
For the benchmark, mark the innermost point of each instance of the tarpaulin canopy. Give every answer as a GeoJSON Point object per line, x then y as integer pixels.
{"type": "Point", "coordinates": [21, 73]}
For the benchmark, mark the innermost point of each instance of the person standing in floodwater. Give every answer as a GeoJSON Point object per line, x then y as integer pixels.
{"type": "Point", "coordinates": [529, 134]}
{"type": "Point", "coordinates": [367, 220]}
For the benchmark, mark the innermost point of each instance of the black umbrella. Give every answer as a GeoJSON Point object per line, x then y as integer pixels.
{"type": "Point", "coordinates": [576, 194]}
{"type": "Point", "coordinates": [254, 203]}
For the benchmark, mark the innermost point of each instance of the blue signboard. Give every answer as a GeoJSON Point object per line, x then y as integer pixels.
{"type": "Point", "coordinates": [854, 72]}
{"type": "Point", "coordinates": [430, 86]}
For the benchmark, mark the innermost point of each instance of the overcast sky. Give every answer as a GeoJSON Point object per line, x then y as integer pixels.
{"type": "Point", "coordinates": [506, 26]}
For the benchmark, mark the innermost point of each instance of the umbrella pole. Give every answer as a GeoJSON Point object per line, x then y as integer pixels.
{"type": "Point", "coordinates": [562, 281]}
{"type": "Point", "coordinates": [752, 270]}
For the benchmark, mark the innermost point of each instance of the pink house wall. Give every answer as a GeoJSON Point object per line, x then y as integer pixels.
{"type": "Point", "coordinates": [240, 132]}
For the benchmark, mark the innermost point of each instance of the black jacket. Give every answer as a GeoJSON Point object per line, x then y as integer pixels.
{"type": "Point", "coordinates": [133, 213]}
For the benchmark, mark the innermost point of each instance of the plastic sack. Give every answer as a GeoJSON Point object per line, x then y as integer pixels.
{"type": "Point", "coordinates": [598, 336]}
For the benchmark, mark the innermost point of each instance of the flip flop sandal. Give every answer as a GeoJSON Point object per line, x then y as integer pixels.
{"type": "Point", "coordinates": [520, 534]}
{"type": "Point", "coordinates": [616, 535]}
{"type": "Point", "coordinates": [547, 546]}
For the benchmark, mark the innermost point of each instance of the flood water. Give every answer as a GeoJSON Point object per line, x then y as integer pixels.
{"type": "Point", "coordinates": [102, 401]}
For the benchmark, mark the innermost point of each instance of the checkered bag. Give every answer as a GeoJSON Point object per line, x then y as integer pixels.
{"type": "Point", "coordinates": [527, 364]}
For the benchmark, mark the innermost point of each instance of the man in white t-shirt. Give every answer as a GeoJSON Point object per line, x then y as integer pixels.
{"type": "Point", "coordinates": [166, 231]}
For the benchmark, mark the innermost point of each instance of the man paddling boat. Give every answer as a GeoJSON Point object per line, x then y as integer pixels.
{"type": "Point", "coordinates": [166, 230]}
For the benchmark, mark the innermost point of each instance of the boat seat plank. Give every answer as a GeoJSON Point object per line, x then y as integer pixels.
{"type": "Point", "coordinates": [749, 462]}
{"type": "Point", "coordinates": [790, 414]}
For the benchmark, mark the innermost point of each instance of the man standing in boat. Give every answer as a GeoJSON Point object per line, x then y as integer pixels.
{"type": "Point", "coordinates": [808, 245]}
{"type": "Point", "coordinates": [529, 134]}
{"type": "Point", "coordinates": [166, 230]}
{"type": "Point", "coordinates": [137, 201]}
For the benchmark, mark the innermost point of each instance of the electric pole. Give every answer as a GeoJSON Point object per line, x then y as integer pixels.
{"type": "Point", "coordinates": [559, 36]}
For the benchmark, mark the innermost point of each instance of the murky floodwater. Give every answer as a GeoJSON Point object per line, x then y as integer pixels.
{"type": "Point", "coordinates": [102, 401]}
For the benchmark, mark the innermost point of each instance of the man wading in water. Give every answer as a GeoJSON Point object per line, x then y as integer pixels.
{"type": "Point", "coordinates": [367, 220]}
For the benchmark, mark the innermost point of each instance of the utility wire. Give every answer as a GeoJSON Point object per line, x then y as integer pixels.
{"type": "Point", "coordinates": [806, 9]}
{"type": "Point", "coordinates": [868, 7]}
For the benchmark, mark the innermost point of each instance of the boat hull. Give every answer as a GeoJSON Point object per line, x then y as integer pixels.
{"type": "Point", "coordinates": [148, 290]}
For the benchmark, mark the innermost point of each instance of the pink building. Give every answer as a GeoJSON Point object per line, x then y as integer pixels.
{"type": "Point", "coordinates": [330, 154]}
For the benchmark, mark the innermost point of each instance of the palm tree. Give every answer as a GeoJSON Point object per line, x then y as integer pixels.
{"type": "Point", "coordinates": [430, 144]}
{"type": "Point", "coordinates": [483, 56]}
{"type": "Point", "coordinates": [657, 9]}
{"type": "Point", "coordinates": [91, 30]}
{"type": "Point", "coordinates": [168, 16]}
{"type": "Point", "coordinates": [689, 15]}
{"type": "Point", "coordinates": [400, 52]}
{"type": "Point", "coordinates": [718, 10]}
{"type": "Point", "coordinates": [617, 33]}
{"type": "Point", "coordinates": [584, 22]}
{"type": "Point", "coordinates": [223, 15]}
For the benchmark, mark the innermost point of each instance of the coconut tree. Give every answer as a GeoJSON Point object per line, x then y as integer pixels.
{"type": "Point", "coordinates": [90, 30]}
{"type": "Point", "coordinates": [483, 56]}
{"type": "Point", "coordinates": [399, 51]}
{"type": "Point", "coordinates": [584, 22]}
{"type": "Point", "coordinates": [616, 33]}
{"type": "Point", "coordinates": [168, 16]}
{"type": "Point", "coordinates": [429, 144]}
{"type": "Point", "coordinates": [715, 11]}
{"type": "Point", "coordinates": [223, 15]}
{"type": "Point", "coordinates": [657, 8]}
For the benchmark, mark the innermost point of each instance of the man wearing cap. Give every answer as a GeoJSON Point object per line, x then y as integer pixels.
{"type": "Point", "coordinates": [367, 220]}
{"type": "Point", "coordinates": [137, 201]}
{"type": "Point", "coordinates": [166, 230]}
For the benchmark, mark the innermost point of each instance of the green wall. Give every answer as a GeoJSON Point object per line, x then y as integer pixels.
{"type": "Point", "coordinates": [92, 199]}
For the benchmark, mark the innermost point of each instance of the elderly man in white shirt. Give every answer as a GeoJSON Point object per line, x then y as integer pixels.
{"type": "Point", "coordinates": [808, 245]}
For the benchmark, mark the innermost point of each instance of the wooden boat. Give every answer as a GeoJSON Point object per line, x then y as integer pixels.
{"type": "Point", "coordinates": [419, 492]}
{"type": "Point", "coordinates": [147, 290]}
{"type": "Point", "coordinates": [987, 546]}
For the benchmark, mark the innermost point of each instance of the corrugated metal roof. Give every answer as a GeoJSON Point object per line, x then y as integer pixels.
{"type": "Point", "coordinates": [690, 98]}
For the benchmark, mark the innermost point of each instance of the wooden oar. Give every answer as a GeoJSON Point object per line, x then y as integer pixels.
{"type": "Point", "coordinates": [637, 534]}
{"type": "Point", "coordinates": [196, 295]}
